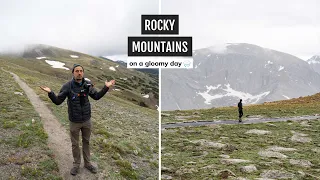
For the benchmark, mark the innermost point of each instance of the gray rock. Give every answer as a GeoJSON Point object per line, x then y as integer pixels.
{"type": "Point", "coordinates": [165, 169]}
{"type": "Point", "coordinates": [164, 176]}
{"type": "Point", "coordinates": [280, 149]}
{"type": "Point", "coordinates": [305, 124]}
{"type": "Point", "coordinates": [276, 174]}
{"type": "Point", "coordinates": [222, 137]}
{"type": "Point", "coordinates": [186, 171]}
{"type": "Point", "coordinates": [212, 166]}
{"type": "Point", "coordinates": [271, 154]}
{"type": "Point", "coordinates": [204, 142]}
{"type": "Point", "coordinates": [248, 169]}
{"type": "Point", "coordinates": [301, 173]}
{"type": "Point", "coordinates": [224, 156]}
{"type": "Point", "coordinates": [258, 132]}
{"type": "Point", "coordinates": [191, 162]}
{"type": "Point", "coordinates": [300, 162]}
{"type": "Point", "coordinates": [18, 93]}
{"type": "Point", "coordinates": [233, 161]}
{"type": "Point", "coordinates": [271, 125]}
{"type": "Point", "coordinates": [301, 138]}
{"type": "Point", "coordinates": [224, 174]}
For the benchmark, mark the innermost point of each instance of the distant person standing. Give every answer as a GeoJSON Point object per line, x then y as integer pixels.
{"type": "Point", "coordinates": [240, 110]}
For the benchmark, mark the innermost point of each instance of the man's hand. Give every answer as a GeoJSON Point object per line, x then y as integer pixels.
{"type": "Point", "coordinates": [45, 88]}
{"type": "Point", "coordinates": [110, 83]}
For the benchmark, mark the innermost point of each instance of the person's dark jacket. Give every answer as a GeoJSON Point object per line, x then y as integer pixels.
{"type": "Point", "coordinates": [79, 108]}
{"type": "Point", "coordinates": [240, 106]}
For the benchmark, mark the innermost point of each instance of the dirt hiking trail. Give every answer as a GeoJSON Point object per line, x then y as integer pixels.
{"type": "Point", "coordinates": [58, 138]}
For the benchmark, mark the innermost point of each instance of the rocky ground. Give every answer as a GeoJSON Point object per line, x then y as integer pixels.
{"type": "Point", "coordinates": [279, 150]}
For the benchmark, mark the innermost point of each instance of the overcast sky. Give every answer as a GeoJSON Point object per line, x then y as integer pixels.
{"type": "Point", "coordinates": [291, 26]}
{"type": "Point", "coordinates": [101, 27]}
{"type": "Point", "coordinates": [96, 27]}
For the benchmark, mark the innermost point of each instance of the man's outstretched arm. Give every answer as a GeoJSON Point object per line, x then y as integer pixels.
{"type": "Point", "coordinates": [56, 99]}
{"type": "Point", "coordinates": [94, 94]}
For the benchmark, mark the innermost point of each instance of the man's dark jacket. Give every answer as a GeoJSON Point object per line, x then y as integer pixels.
{"type": "Point", "coordinates": [79, 108]}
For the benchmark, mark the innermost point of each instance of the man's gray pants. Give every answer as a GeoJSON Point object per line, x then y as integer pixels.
{"type": "Point", "coordinates": [85, 129]}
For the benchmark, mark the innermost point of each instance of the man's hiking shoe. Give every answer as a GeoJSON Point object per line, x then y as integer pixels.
{"type": "Point", "coordinates": [74, 171]}
{"type": "Point", "coordinates": [91, 168]}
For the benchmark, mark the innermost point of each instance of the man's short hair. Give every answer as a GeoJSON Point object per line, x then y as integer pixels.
{"type": "Point", "coordinates": [76, 65]}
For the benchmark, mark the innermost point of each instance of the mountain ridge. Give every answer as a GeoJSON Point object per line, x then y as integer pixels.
{"type": "Point", "coordinates": [241, 70]}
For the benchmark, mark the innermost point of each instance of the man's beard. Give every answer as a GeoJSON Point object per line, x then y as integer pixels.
{"type": "Point", "coordinates": [78, 78]}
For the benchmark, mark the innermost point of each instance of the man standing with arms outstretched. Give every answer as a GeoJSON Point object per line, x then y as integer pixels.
{"type": "Point", "coordinates": [240, 110]}
{"type": "Point", "coordinates": [79, 109]}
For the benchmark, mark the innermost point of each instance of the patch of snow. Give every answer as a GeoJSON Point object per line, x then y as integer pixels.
{"type": "Point", "coordinates": [269, 62]}
{"type": "Point", "coordinates": [250, 72]}
{"type": "Point", "coordinates": [196, 81]}
{"type": "Point", "coordinates": [146, 96]}
{"type": "Point", "coordinates": [112, 68]}
{"type": "Point", "coordinates": [208, 55]}
{"type": "Point", "coordinates": [198, 65]}
{"type": "Point", "coordinates": [74, 56]}
{"type": "Point", "coordinates": [124, 79]}
{"type": "Point", "coordinates": [281, 68]}
{"type": "Point", "coordinates": [117, 66]}
{"type": "Point", "coordinates": [313, 62]}
{"type": "Point", "coordinates": [19, 93]}
{"type": "Point", "coordinates": [286, 96]}
{"type": "Point", "coordinates": [219, 48]}
{"type": "Point", "coordinates": [57, 64]}
{"type": "Point", "coordinates": [117, 89]}
{"type": "Point", "coordinates": [246, 97]}
{"type": "Point", "coordinates": [213, 87]}
{"type": "Point", "coordinates": [41, 57]}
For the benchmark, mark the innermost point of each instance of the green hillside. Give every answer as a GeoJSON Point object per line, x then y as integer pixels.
{"type": "Point", "coordinates": [132, 84]}
{"type": "Point", "coordinates": [125, 135]}
{"type": "Point", "coordinates": [308, 105]}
